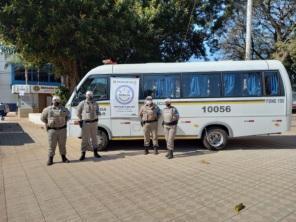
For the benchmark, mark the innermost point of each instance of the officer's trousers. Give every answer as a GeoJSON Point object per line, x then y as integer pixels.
{"type": "Point", "coordinates": [57, 137]}
{"type": "Point", "coordinates": [89, 136]}
{"type": "Point", "coordinates": [170, 133]}
{"type": "Point", "coordinates": [150, 128]}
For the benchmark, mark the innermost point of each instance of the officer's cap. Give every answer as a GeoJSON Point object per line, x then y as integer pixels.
{"type": "Point", "coordinates": [89, 93]}
{"type": "Point", "coordinates": [149, 98]}
{"type": "Point", "coordinates": [56, 99]}
{"type": "Point", "coordinates": [167, 101]}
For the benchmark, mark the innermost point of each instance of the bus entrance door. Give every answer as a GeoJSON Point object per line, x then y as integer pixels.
{"type": "Point", "coordinates": [121, 126]}
{"type": "Point", "coordinates": [136, 128]}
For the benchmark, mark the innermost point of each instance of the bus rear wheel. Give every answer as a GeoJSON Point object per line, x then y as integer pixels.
{"type": "Point", "coordinates": [102, 139]}
{"type": "Point", "coordinates": [215, 138]}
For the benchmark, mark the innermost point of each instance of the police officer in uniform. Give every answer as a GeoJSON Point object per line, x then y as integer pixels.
{"type": "Point", "coordinates": [170, 121]}
{"type": "Point", "coordinates": [55, 118]}
{"type": "Point", "coordinates": [87, 112]}
{"type": "Point", "coordinates": [149, 114]}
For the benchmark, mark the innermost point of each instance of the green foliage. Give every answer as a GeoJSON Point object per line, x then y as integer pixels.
{"type": "Point", "coordinates": [286, 52]}
{"type": "Point", "coordinates": [6, 48]}
{"type": "Point", "coordinates": [273, 35]}
{"type": "Point", "coordinates": [63, 93]}
{"type": "Point", "coordinates": [76, 35]}
{"type": "Point", "coordinates": [18, 59]}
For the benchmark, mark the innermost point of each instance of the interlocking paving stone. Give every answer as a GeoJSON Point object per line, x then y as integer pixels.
{"type": "Point", "coordinates": [25, 208]}
{"type": "Point", "coordinates": [125, 185]}
{"type": "Point", "coordinates": [99, 216]}
{"type": "Point", "coordinates": [290, 218]}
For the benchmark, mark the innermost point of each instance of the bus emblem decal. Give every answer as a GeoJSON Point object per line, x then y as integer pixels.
{"type": "Point", "coordinates": [124, 94]}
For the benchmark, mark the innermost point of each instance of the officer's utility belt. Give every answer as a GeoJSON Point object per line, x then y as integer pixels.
{"type": "Point", "coordinates": [91, 121]}
{"type": "Point", "coordinates": [57, 128]}
{"type": "Point", "coordinates": [150, 121]}
{"type": "Point", "coordinates": [173, 123]}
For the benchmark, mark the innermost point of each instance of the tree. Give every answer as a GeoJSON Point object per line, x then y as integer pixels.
{"type": "Point", "coordinates": [274, 32]}
{"type": "Point", "coordinates": [75, 35]}
{"type": "Point", "coordinates": [63, 93]}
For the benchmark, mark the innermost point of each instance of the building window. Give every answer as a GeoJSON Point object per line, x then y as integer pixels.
{"type": "Point", "coordinates": [53, 78]}
{"type": "Point", "coordinates": [43, 75]}
{"type": "Point", "coordinates": [19, 73]}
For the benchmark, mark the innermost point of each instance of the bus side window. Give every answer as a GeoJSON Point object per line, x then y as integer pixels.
{"type": "Point", "coordinates": [243, 84]}
{"type": "Point", "coordinates": [252, 84]}
{"type": "Point", "coordinates": [162, 86]}
{"type": "Point", "coordinates": [232, 85]}
{"type": "Point", "coordinates": [273, 86]}
{"type": "Point", "coordinates": [201, 85]}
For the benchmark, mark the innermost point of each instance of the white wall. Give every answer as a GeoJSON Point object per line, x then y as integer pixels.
{"type": "Point", "coordinates": [29, 101]}
{"type": "Point", "coordinates": [5, 91]}
{"type": "Point", "coordinates": [35, 118]}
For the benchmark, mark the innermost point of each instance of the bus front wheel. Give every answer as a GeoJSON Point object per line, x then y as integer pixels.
{"type": "Point", "coordinates": [215, 138]}
{"type": "Point", "coordinates": [103, 140]}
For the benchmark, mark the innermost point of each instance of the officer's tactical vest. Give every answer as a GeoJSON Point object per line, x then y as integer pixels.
{"type": "Point", "coordinates": [149, 113]}
{"type": "Point", "coordinates": [89, 111]}
{"type": "Point", "coordinates": [57, 117]}
{"type": "Point", "coordinates": [169, 114]}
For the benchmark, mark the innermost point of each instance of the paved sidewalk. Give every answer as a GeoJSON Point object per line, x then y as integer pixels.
{"type": "Point", "coordinates": [125, 185]}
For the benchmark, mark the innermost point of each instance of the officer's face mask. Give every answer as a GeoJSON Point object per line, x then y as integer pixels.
{"type": "Point", "coordinates": [168, 104]}
{"type": "Point", "coordinates": [55, 103]}
{"type": "Point", "coordinates": [89, 97]}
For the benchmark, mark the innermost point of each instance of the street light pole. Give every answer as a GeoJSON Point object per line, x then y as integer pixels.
{"type": "Point", "coordinates": [249, 30]}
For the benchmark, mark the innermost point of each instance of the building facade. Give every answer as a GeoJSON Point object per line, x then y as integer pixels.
{"type": "Point", "coordinates": [5, 84]}
{"type": "Point", "coordinates": [26, 90]}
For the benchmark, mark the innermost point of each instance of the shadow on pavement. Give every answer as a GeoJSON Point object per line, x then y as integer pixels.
{"type": "Point", "coordinates": [12, 134]}
{"type": "Point", "coordinates": [183, 148]}
{"type": "Point", "coordinates": [107, 156]}
{"type": "Point", "coordinates": [195, 147]}
{"type": "Point", "coordinates": [263, 142]}
{"type": "Point", "coordinates": [188, 148]}
{"type": "Point", "coordinates": [138, 145]}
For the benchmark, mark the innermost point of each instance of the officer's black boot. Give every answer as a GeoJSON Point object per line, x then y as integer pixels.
{"type": "Point", "coordinates": [171, 155]}
{"type": "Point", "coordinates": [64, 159]}
{"type": "Point", "coordinates": [50, 161]}
{"type": "Point", "coordinates": [168, 153]}
{"type": "Point", "coordinates": [82, 157]}
{"type": "Point", "coordinates": [96, 155]}
{"type": "Point", "coordinates": [155, 150]}
{"type": "Point", "coordinates": [146, 150]}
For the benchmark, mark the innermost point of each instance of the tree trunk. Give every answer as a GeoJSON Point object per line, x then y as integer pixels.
{"type": "Point", "coordinates": [70, 78]}
{"type": "Point", "coordinates": [74, 79]}
{"type": "Point", "coordinates": [26, 75]}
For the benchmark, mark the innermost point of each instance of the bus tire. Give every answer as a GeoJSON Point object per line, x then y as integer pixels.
{"type": "Point", "coordinates": [103, 140]}
{"type": "Point", "coordinates": [215, 138]}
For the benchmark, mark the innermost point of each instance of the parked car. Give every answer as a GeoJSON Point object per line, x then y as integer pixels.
{"type": "Point", "coordinates": [4, 109]}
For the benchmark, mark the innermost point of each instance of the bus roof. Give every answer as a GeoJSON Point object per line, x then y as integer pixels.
{"type": "Point", "coordinates": [186, 67]}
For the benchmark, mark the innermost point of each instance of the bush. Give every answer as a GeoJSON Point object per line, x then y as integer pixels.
{"type": "Point", "coordinates": [63, 93]}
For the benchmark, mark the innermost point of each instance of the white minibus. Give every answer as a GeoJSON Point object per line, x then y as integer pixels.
{"type": "Point", "coordinates": [216, 100]}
